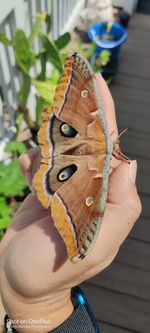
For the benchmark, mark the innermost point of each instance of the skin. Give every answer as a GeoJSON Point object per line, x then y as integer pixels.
{"type": "Point", "coordinates": [35, 273]}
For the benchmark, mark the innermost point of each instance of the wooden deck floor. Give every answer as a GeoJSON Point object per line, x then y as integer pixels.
{"type": "Point", "coordinates": [120, 296]}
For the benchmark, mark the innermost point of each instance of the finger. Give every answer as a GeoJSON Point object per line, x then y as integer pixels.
{"type": "Point", "coordinates": [27, 161]}
{"type": "Point", "coordinates": [119, 182]}
{"type": "Point", "coordinates": [108, 105]}
{"type": "Point", "coordinates": [122, 210]}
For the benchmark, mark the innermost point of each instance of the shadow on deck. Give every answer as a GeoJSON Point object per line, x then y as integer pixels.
{"type": "Point", "coordinates": [120, 296]}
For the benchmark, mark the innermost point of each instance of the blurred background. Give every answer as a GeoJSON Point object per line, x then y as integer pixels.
{"type": "Point", "coordinates": [114, 35]}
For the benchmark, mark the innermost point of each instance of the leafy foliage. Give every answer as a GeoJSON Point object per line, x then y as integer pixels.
{"type": "Point", "coordinates": [45, 89]}
{"type": "Point", "coordinates": [12, 183]}
{"type": "Point", "coordinates": [105, 57]}
{"type": "Point", "coordinates": [11, 179]}
{"type": "Point", "coordinates": [4, 39]}
{"type": "Point", "coordinates": [14, 146]}
{"type": "Point", "coordinates": [24, 56]}
{"type": "Point", "coordinates": [26, 59]}
{"type": "Point", "coordinates": [1, 233]}
{"type": "Point", "coordinates": [5, 213]}
{"type": "Point", "coordinates": [41, 104]}
{"type": "Point", "coordinates": [63, 40]}
{"type": "Point", "coordinates": [52, 53]}
{"type": "Point", "coordinates": [101, 61]}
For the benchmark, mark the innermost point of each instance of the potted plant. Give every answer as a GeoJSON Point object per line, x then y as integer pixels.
{"type": "Point", "coordinates": [108, 37]}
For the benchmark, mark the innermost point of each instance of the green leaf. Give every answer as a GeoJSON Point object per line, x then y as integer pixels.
{"type": "Point", "coordinates": [41, 104]}
{"type": "Point", "coordinates": [1, 234]}
{"type": "Point", "coordinates": [5, 213]}
{"type": "Point", "coordinates": [101, 61]}
{"type": "Point", "coordinates": [25, 89]}
{"type": "Point", "coordinates": [64, 55]}
{"type": "Point", "coordinates": [15, 146]}
{"type": "Point", "coordinates": [19, 120]}
{"type": "Point", "coordinates": [5, 221]}
{"type": "Point", "coordinates": [11, 179]}
{"type": "Point", "coordinates": [42, 75]}
{"type": "Point", "coordinates": [89, 52]}
{"type": "Point", "coordinates": [40, 54]}
{"type": "Point", "coordinates": [105, 57]}
{"type": "Point", "coordinates": [79, 47]}
{"type": "Point", "coordinates": [63, 40]}
{"type": "Point", "coordinates": [37, 27]}
{"type": "Point", "coordinates": [24, 56]}
{"type": "Point", "coordinates": [109, 80]}
{"type": "Point", "coordinates": [45, 89]}
{"type": "Point", "coordinates": [52, 53]}
{"type": "Point", "coordinates": [55, 76]}
{"type": "Point", "coordinates": [48, 23]}
{"type": "Point", "coordinates": [4, 40]}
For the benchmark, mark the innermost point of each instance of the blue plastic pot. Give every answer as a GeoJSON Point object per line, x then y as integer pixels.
{"type": "Point", "coordinates": [117, 31]}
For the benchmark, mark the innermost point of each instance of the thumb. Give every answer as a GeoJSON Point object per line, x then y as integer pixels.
{"type": "Point", "coordinates": [122, 183]}
{"type": "Point", "coordinates": [123, 200]}
{"type": "Point", "coordinates": [122, 210]}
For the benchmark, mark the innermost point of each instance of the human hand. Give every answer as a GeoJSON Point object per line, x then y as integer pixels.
{"type": "Point", "coordinates": [36, 275]}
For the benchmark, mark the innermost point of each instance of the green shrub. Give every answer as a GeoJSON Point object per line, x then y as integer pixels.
{"type": "Point", "coordinates": [13, 185]}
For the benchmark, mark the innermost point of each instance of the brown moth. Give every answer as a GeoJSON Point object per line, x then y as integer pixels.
{"type": "Point", "coordinates": [76, 149]}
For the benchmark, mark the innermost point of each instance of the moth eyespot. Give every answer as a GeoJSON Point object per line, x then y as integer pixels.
{"type": "Point", "coordinates": [68, 130]}
{"type": "Point", "coordinates": [63, 176]}
{"type": "Point", "coordinates": [89, 201]}
{"type": "Point", "coordinates": [84, 93]}
{"type": "Point", "coordinates": [66, 173]}
{"type": "Point", "coordinates": [65, 128]}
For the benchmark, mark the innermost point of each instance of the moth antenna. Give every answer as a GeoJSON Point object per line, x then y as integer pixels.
{"type": "Point", "coordinates": [117, 151]}
{"type": "Point", "coordinates": [120, 156]}
{"type": "Point", "coordinates": [119, 134]}
{"type": "Point", "coordinates": [125, 130]}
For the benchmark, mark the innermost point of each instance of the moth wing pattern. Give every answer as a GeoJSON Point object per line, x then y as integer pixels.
{"type": "Point", "coordinates": [76, 149]}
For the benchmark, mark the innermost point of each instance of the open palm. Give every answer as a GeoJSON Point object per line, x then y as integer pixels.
{"type": "Point", "coordinates": [36, 275]}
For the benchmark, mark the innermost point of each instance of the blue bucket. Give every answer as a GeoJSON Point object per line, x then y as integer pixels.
{"type": "Point", "coordinates": [117, 31]}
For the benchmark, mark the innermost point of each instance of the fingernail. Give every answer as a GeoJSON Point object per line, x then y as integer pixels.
{"type": "Point", "coordinates": [133, 171]}
{"type": "Point", "coordinates": [28, 177]}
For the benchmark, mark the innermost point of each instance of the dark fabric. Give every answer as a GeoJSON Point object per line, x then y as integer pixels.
{"type": "Point", "coordinates": [79, 322]}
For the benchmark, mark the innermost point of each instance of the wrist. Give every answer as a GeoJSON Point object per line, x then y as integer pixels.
{"type": "Point", "coordinates": [64, 320]}
{"type": "Point", "coordinates": [43, 316]}
{"type": "Point", "coordinates": [61, 314]}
